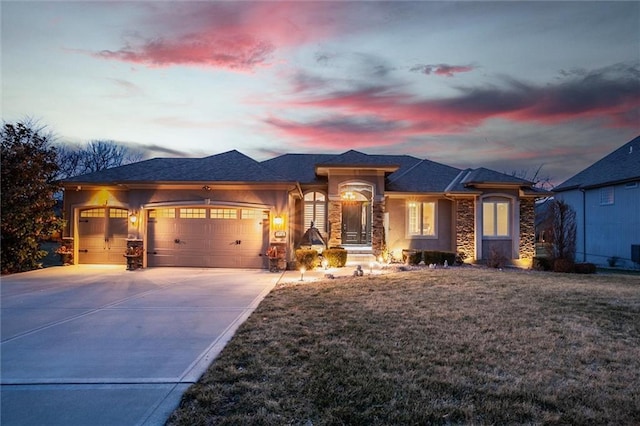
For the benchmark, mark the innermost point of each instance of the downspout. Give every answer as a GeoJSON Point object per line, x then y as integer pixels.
{"type": "Point", "coordinates": [584, 225]}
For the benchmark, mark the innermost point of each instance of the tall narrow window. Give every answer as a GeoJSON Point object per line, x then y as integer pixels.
{"type": "Point", "coordinates": [495, 219]}
{"type": "Point", "coordinates": [315, 210]}
{"type": "Point", "coordinates": [421, 218]}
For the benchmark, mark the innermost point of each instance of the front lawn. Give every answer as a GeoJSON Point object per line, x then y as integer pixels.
{"type": "Point", "coordinates": [461, 345]}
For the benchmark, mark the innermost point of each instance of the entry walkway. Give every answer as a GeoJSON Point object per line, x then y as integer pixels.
{"type": "Point", "coordinates": [103, 346]}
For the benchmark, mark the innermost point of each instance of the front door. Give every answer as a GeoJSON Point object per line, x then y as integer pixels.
{"type": "Point", "coordinates": [355, 223]}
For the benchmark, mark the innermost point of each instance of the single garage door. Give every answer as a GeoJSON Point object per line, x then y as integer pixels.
{"type": "Point", "coordinates": [208, 237]}
{"type": "Point", "coordinates": [102, 234]}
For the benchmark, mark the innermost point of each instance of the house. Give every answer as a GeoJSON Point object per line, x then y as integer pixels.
{"type": "Point", "coordinates": [606, 199]}
{"type": "Point", "coordinates": [227, 210]}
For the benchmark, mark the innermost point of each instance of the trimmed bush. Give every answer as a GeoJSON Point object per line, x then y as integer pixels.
{"type": "Point", "coordinates": [563, 265]}
{"type": "Point", "coordinates": [541, 263]}
{"type": "Point", "coordinates": [337, 257]}
{"type": "Point", "coordinates": [307, 258]}
{"type": "Point", "coordinates": [413, 257]}
{"type": "Point", "coordinates": [585, 268]}
{"type": "Point", "coordinates": [438, 257]}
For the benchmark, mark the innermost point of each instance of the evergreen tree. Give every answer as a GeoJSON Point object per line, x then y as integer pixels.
{"type": "Point", "coordinates": [29, 167]}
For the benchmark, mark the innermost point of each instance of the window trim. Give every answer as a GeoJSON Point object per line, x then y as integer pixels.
{"type": "Point", "coordinates": [421, 204]}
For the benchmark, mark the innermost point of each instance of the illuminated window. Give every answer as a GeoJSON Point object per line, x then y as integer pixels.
{"type": "Point", "coordinates": [421, 218]}
{"type": "Point", "coordinates": [224, 214]}
{"type": "Point", "coordinates": [252, 214]}
{"type": "Point", "coordinates": [495, 218]}
{"type": "Point", "coordinates": [607, 196]}
{"type": "Point", "coordinates": [117, 213]}
{"type": "Point", "coordinates": [168, 213]}
{"type": "Point", "coordinates": [315, 210]}
{"type": "Point", "coordinates": [92, 213]}
{"type": "Point", "coordinates": [193, 213]}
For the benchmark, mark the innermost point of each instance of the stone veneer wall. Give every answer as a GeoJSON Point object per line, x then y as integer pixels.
{"type": "Point", "coordinates": [335, 223]}
{"type": "Point", "coordinates": [527, 228]}
{"type": "Point", "coordinates": [378, 243]}
{"type": "Point", "coordinates": [465, 224]}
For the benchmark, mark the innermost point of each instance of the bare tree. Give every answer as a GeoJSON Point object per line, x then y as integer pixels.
{"type": "Point", "coordinates": [539, 180]}
{"type": "Point", "coordinates": [562, 222]}
{"type": "Point", "coordinates": [95, 156]}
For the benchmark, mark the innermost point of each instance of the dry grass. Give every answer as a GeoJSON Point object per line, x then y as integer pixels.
{"type": "Point", "coordinates": [456, 346]}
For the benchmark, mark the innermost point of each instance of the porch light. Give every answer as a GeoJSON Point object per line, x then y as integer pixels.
{"type": "Point", "coordinates": [278, 221]}
{"type": "Point", "coordinates": [348, 196]}
{"type": "Point", "coordinates": [133, 218]}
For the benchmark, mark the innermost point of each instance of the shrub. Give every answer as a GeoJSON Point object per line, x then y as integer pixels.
{"type": "Point", "coordinates": [438, 257]}
{"type": "Point", "coordinates": [496, 259]}
{"type": "Point", "coordinates": [307, 258]}
{"type": "Point", "coordinates": [585, 268]}
{"type": "Point", "coordinates": [412, 257]}
{"type": "Point", "coordinates": [336, 257]}
{"type": "Point", "coordinates": [563, 265]}
{"type": "Point", "coordinates": [541, 263]}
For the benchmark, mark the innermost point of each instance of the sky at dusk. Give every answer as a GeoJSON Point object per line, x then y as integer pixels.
{"type": "Point", "coordinates": [505, 85]}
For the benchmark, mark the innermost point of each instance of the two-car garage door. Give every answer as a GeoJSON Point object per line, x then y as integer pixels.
{"type": "Point", "coordinates": [207, 237]}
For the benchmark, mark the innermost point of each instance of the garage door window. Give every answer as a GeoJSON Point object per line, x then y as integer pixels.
{"type": "Point", "coordinates": [92, 213]}
{"type": "Point", "coordinates": [118, 213]}
{"type": "Point", "coordinates": [193, 213]}
{"type": "Point", "coordinates": [224, 214]}
{"type": "Point", "coordinates": [168, 213]}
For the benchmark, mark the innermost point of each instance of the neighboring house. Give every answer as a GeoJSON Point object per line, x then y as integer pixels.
{"type": "Point", "coordinates": [606, 199]}
{"type": "Point", "coordinates": [226, 210]}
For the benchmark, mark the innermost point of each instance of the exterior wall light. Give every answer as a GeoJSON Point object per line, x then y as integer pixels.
{"type": "Point", "coordinates": [133, 218]}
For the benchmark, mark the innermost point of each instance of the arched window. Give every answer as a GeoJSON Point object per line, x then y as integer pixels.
{"type": "Point", "coordinates": [315, 210]}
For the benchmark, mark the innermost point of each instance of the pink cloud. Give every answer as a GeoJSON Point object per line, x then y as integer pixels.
{"type": "Point", "coordinates": [229, 35]}
{"type": "Point", "coordinates": [610, 95]}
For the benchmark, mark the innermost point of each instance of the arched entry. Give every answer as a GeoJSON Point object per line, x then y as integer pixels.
{"type": "Point", "coordinates": [356, 213]}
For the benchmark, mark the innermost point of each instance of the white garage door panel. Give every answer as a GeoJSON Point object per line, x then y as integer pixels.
{"type": "Point", "coordinates": [207, 242]}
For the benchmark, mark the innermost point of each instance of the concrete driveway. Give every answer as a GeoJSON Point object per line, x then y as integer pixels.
{"type": "Point", "coordinates": [103, 346]}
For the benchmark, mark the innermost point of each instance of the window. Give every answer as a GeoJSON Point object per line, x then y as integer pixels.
{"type": "Point", "coordinates": [118, 213]}
{"type": "Point", "coordinates": [168, 213]}
{"type": "Point", "coordinates": [495, 219]}
{"type": "Point", "coordinates": [92, 213]}
{"type": "Point", "coordinates": [315, 210]}
{"type": "Point", "coordinates": [193, 213]}
{"type": "Point", "coordinates": [421, 218]}
{"type": "Point", "coordinates": [224, 214]}
{"type": "Point", "coordinates": [631, 185]}
{"type": "Point", "coordinates": [254, 214]}
{"type": "Point", "coordinates": [606, 196]}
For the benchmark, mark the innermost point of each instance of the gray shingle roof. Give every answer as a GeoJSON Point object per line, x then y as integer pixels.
{"type": "Point", "coordinates": [423, 176]}
{"type": "Point", "coordinates": [231, 166]}
{"type": "Point", "coordinates": [620, 166]}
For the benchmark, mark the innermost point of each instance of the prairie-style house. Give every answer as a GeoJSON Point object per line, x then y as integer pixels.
{"type": "Point", "coordinates": [606, 199]}
{"type": "Point", "coordinates": [227, 210]}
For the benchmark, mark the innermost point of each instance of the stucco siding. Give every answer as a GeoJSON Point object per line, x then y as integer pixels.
{"type": "Point", "coordinates": [397, 240]}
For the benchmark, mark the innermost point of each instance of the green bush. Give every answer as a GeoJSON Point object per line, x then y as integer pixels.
{"type": "Point", "coordinates": [336, 257]}
{"type": "Point", "coordinates": [307, 258]}
{"type": "Point", "coordinates": [585, 268]}
{"type": "Point", "coordinates": [438, 257]}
